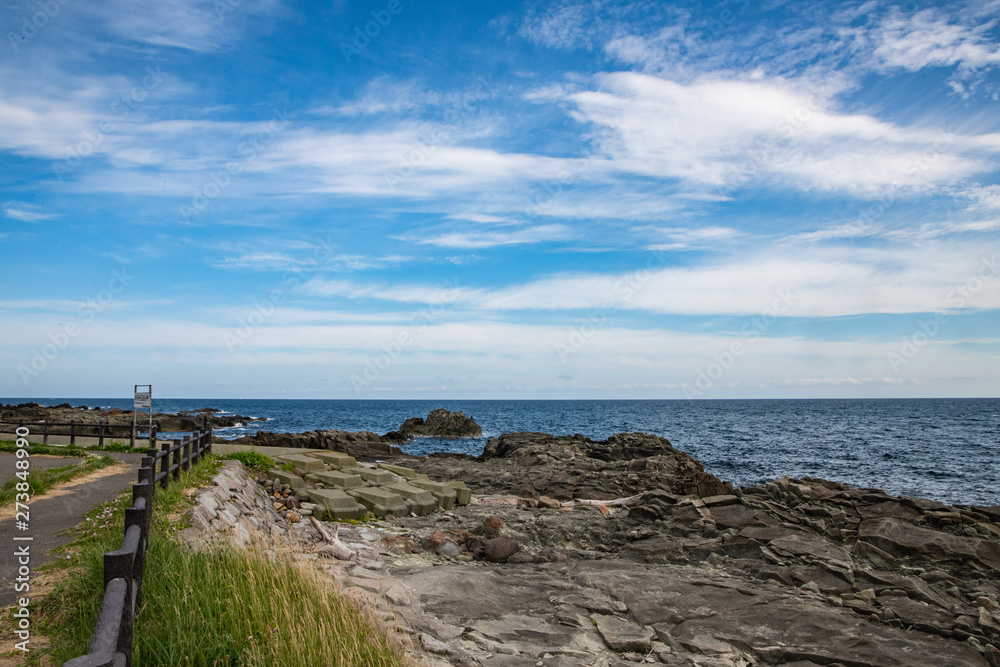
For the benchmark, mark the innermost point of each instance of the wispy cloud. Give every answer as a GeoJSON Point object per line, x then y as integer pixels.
{"type": "Point", "coordinates": [931, 39]}
{"type": "Point", "coordinates": [26, 212]}
{"type": "Point", "coordinates": [493, 239]}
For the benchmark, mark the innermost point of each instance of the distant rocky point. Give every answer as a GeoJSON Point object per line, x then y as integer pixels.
{"type": "Point", "coordinates": [366, 444]}
{"type": "Point", "coordinates": [64, 413]}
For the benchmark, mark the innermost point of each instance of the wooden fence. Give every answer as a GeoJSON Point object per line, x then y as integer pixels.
{"type": "Point", "coordinates": [111, 643]}
{"type": "Point", "coordinates": [76, 429]}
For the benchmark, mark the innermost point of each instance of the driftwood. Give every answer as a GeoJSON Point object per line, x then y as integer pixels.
{"type": "Point", "coordinates": [617, 502]}
{"type": "Point", "coordinates": [339, 549]}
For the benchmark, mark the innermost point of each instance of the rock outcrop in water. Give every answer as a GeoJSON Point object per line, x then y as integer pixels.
{"type": "Point", "coordinates": [440, 423]}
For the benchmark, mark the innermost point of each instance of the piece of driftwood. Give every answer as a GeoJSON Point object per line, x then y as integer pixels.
{"type": "Point", "coordinates": [617, 502]}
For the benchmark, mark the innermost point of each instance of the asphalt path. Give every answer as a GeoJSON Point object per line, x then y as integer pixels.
{"type": "Point", "coordinates": [50, 519]}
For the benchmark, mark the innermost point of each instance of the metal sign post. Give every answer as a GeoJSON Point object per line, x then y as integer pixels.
{"type": "Point", "coordinates": [143, 401]}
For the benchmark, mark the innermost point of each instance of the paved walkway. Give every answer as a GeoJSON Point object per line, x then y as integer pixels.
{"type": "Point", "coordinates": [51, 518]}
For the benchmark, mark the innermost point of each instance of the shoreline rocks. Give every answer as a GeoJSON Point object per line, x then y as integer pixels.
{"type": "Point", "coordinates": [64, 413]}
{"type": "Point", "coordinates": [581, 552]}
{"type": "Point", "coordinates": [440, 423]}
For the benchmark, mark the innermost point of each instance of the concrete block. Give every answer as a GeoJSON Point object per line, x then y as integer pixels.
{"type": "Point", "coordinates": [463, 495]}
{"type": "Point", "coordinates": [289, 478]}
{"type": "Point", "coordinates": [380, 501]}
{"type": "Point", "coordinates": [302, 462]}
{"type": "Point", "coordinates": [336, 459]}
{"type": "Point", "coordinates": [420, 501]}
{"type": "Point", "coordinates": [335, 505]}
{"type": "Point", "coordinates": [398, 470]}
{"type": "Point", "coordinates": [376, 477]}
{"type": "Point", "coordinates": [444, 494]}
{"type": "Point", "coordinates": [337, 479]}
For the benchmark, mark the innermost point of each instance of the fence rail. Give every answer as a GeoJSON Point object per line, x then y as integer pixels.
{"type": "Point", "coordinates": [74, 429]}
{"type": "Point", "coordinates": [111, 643]}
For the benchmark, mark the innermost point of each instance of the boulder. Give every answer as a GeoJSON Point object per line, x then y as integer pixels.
{"type": "Point", "coordinates": [499, 549]}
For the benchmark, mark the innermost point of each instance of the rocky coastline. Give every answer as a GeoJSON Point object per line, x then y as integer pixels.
{"type": "Point", "coordinates": [573, 551]}
{"type": "Point", "coordinates": [83, 415]}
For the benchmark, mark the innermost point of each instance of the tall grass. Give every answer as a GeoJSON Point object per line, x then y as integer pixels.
{"type": "Point", "coordinates": [221, 607]}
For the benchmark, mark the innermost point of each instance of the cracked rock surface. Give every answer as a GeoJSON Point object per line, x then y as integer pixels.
{"type": "Point", "coordinates": [672, 566]}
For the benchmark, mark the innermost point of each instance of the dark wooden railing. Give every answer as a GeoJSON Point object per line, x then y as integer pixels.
{"type": "Point", "coordinates": [111, 643]}
{"type": "Point", "coordinates": [102, 430]}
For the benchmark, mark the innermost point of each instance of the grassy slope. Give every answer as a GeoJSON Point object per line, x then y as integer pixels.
{"type": "Point", "coordinates": [225, 607]}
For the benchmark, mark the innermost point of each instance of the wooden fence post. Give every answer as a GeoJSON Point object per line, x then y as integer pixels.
{"type": "Point", "coordinates": [45, 432]}
{"type": "Point", "coordinates": [72, 432]}
{"type": "Point", "coordinates": [175, 448]}
{"type": "Point", "coordinates": [164, 462]}
{"type": "Point", "coordinates": [100, 434]}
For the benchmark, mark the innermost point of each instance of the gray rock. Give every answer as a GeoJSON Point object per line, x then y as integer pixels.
{"type": "Point", "coordinates": [622, 635]}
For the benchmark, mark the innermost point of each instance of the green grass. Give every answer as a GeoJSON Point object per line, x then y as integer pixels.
{"type": "Point", "coordinates": [224, 607]}
{"type": "Point", "coordinates": [253, 460]}
{"type": "Point", "coordinates": [72, 450]}
{"type": "Point", "coordinates": [40, 481]}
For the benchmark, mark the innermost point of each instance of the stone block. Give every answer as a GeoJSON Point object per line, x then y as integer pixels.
{"type": "Point", "coordinates": [337, 479]}
{"type": "Point", "coordinates": [289, 478]}
{"type": "Point", "coordinates": [336, 459]}
{"type": "Point", "coordinates": [420, 501]}
{"type": "Point", "coordinates": [443, 493]}
{"type": "Point", "coordinates": [381, 501]}
{"type": "Point", "coordinates": [333, 504]}
{"type": "Point", "coordinates": [376, 477]}
{"type": "Point", "coordinates": [463, 495]}
{"type": "Point", "coordinates": [302, 462]}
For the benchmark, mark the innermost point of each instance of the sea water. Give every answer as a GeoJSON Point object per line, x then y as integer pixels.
{"type": "Point", "coordinates": [945, 449]}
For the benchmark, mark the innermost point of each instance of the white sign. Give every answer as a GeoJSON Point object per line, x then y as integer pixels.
{"type": "Point", "coordinates": [143, 400]}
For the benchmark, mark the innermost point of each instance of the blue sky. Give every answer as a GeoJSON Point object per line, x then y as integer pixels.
{"type": "Point", "coordinates": [404, 199]}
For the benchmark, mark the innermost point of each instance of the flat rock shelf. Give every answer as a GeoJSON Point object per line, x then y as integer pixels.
{"type": "Point", "coordinates": [561, 551]}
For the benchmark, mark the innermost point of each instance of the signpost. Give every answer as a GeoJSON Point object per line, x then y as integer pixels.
{"type": "Point", "coordinates": [143, 401]}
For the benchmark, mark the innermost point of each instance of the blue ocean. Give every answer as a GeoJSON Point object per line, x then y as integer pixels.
{"type": "Point", "coordinates": [945, 449]}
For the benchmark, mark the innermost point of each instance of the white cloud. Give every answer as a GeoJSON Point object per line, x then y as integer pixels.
{"type": "Point", "coordinates": [493, 239]}
{"type": "Point", "coordinates": [193, 25]}
{"type": "Point", "coordinates": [797, 281]}
{"type": "Point", "coordinates": [26, 212]}
{"type": "Point", "coordinates": [724, 132]}
{"type": "Point", "coordinates": [930, 39]}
